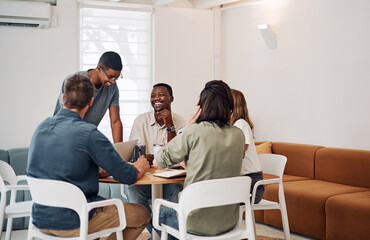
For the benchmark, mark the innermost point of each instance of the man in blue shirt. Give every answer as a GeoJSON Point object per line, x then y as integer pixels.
{"type": "Point", "coordinates": [67, 148]}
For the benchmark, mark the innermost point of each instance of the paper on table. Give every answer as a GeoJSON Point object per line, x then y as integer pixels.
{"type": "Point", "coordinates": [170, 174]}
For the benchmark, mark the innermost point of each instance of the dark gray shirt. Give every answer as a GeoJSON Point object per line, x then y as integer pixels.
{"type": "Point", "coordinates": [104, 97]}
{"type": "Point", "coordinates": [65, 147]}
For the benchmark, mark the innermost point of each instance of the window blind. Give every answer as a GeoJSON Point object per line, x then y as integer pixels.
{"type": "Point", "coordinates": [127, 32]}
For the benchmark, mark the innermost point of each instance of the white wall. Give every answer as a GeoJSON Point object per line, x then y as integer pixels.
{"type": "Point", "coordinates": [184, 53]}
{"type": "Point", "coordinates": [33, 64]}
{"type": "Point", "coordinates": [314, 88]}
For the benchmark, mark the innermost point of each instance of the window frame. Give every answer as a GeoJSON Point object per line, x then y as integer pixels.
{"type": "Point", "coordinates": [104, 125]}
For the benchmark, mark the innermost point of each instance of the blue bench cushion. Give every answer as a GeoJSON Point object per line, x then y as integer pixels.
{"type": "Point", "coordinates": [18, 157]}
{"type": "Point", "coordinates": [4, 155]}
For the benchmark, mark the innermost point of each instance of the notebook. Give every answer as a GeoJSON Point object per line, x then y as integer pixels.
{"type": "Point", "coordinates": [125, 149]}
{"type": "Point", "coordinates": [171, 173]}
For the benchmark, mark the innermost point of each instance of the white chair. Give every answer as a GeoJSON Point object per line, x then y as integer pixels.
{"type": "Point", "coordinates": [14, 209]}
{"type": "Point", "coordinates": [123, 194]}
{"type": "Point", "coordinates": [209, 193]}
{"type": "Point", "coordinates": [273, 164]}
{"type": "Point", "coordinates": [63, 194]}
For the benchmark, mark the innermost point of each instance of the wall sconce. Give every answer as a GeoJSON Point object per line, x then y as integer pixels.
{"type": "Point", "coordinates": [268, 35]}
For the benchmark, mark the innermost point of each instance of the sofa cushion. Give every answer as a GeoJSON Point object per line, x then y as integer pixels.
{"type": "Point", "coordinates": [286, 178]}
{"type": "Point", "coordinates": [305, 202]}
{"type": "Point", "coordinates": [264, 148]}
{"type": "Point", "coordinates": [269, 176]}
{"type": "Point", "coordinates": [4, 155]}
{"type": "Point", "coordinates": [345, 166]}
{"type": "Point", "coordinates": [291, 178]}
{"type": "Point", "coordinates": [18, 158]}
{"type": "Point", "coordinates": [301, 158]}
{"type": "Point", "coordinates": [347, 216]}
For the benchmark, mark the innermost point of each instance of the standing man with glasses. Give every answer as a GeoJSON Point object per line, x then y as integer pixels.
{"type": "Point", "coordinates": [106, 93]}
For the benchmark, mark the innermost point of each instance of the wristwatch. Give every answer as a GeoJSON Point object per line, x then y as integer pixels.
{"type": "Point", "coordinates": [172, 129]}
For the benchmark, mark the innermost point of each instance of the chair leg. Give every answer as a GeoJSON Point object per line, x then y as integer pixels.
{"type": "Point", "coordinates": [122, 189]}
{"type": "Point", "coordinates": [250, 224]}
{"type": "Point", "coordinates": [284, 219]}
{"type": "Point", "coordinates": [254, 223]}
{"type": "Point", "coordinates": [2, 213]}
{"type": "Point", "coordinates": [1, 226]}
{"type": "Point", "coordinates": [119, 235]}
{"type": "Point", "coordinates": [31, 228]}
{"type": "Point", "coordinates": [284, 214]}
{"type": "Point", "coordinates": [9, 226]}
{"type": "Point", "coordinates": [30, 237]}
{"type": "Point", "coordinates": [164, 235]}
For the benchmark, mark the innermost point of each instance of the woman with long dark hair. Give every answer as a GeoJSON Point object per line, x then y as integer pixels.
{"type": "Point", "coordinates": [211, 149]}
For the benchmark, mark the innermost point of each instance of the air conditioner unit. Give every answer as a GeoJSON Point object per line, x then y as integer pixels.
{"type": "Point", "coordinates": [25, 14]}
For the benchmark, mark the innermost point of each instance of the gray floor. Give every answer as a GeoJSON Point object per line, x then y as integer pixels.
{"type": "Point", "coordinates": [261, 229]}
{"type": "Point", "coordinates": [266, 230]}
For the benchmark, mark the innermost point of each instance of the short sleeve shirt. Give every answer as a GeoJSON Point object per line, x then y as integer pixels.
{"type": "Point", "coordinates": [250, 162]}
{"type": "Point", "coordinates": [104, 97]}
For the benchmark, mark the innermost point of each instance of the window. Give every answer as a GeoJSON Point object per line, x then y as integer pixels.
{"type": "Point", "coordinates": [127, 32]}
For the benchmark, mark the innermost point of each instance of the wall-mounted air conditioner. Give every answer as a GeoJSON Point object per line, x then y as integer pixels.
{"type": "Point", "coordinates": [25, 14]}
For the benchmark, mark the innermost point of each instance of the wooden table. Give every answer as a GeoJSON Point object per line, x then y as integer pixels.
{"type": "Point", "coordinates": [155, 182]}
{"type": "Point", "coordinates": [149, 178]}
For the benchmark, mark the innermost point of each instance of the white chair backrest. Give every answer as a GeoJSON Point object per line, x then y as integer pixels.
{"type": "Point", "coordinates": [217, 192]}
{"type": "Point", "coordinates": [273, 164]}
{"type": "Point", "coordinates": [7, 173]}
{"type": "Point", "coordinates": [56, 193]}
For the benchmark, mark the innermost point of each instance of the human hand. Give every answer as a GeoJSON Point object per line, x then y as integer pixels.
{"type": "Point", "coordinates": [155, 164]}
{"type": "Point", "coordinates": [142, 166]}
{"type": "Point", "coordinates": [194, 116]}
{"type": "Point", "coordinates": [150, 158]}
{"type": "Point", "coordinates": [103, 173]}
{"type": "Point", "coordinates": [182, 164]}
{"type": "Point", "coordinates": [166, 116]}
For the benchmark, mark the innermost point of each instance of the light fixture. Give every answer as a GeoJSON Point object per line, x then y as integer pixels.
{"type": "Point", "coordinates": [204, 4]}
{"type": "Point", "coordinates": [268, 35]}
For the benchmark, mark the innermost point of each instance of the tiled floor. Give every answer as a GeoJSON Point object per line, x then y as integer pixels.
{"type": "Point", "coordinates": [261, 229]}
{"type": "Point", "coordinates": [266, 230]}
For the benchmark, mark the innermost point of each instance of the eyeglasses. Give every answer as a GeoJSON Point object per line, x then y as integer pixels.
{"type": "Point", "coordinates": [111, 78]}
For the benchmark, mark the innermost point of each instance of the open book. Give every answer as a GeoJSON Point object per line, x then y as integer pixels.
{"type": "Point", "coordinates": [171, 173]}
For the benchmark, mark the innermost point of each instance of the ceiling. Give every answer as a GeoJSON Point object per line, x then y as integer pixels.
{"type": "Point", "coordinates": [200, 4]}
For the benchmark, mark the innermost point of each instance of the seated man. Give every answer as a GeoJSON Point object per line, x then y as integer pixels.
{"type": "Point", "coordinates": [67, 148]}
{"type": "Point", "coordinates": [156, 127]}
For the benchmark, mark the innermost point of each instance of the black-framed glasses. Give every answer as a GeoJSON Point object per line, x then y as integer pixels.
{"type": "Point", "coordinates": [111, 78]}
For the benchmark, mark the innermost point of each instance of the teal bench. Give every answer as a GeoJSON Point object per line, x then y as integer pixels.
{"type": "Point", "coordinates": [17, 158]}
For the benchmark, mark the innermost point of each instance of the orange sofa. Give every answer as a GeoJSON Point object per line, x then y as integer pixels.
{"type": "Point", "coordinates": [327, 192]}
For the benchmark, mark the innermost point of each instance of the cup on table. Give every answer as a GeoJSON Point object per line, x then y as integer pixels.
{"type": "Point", "coordinates": [138, 151]}
{"type": "Point", "coordinates": [157, 147]}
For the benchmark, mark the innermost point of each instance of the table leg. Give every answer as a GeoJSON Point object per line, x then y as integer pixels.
{"type": "Point", "coordinates": [157, 192]}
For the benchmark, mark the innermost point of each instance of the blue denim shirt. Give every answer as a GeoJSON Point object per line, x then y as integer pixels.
{"type": "Point", "coordinates": [65, 147]}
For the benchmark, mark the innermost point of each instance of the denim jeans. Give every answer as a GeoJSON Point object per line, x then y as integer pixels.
{"type": "Point", "coordinates": [168, 216]}
{"type": "Point", "coordinates": [141, 193]}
